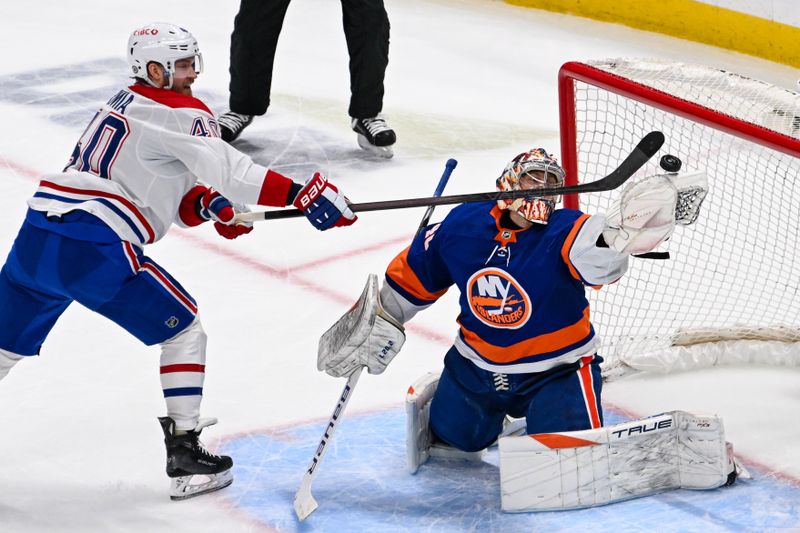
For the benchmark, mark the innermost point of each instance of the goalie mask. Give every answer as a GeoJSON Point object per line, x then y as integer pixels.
{"type": "Point", "coordinates": [534, 169]}
{"type": "Point", "coordinates": [164, 44]}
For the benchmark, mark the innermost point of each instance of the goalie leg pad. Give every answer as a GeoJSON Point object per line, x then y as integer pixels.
{"type": "Point", "coordinates": [579, 469]}
{"type": "Point", "coordinates": [420, 443]}
{"type": "Point", "coordinates": [418, 430]}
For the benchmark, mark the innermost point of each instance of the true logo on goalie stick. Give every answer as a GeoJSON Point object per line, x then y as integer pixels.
{"type": "Point", "coordinates": [497, 299]}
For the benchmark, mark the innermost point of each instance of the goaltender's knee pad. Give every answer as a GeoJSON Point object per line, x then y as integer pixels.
{"type": "Point", "coordinates": [188, 346]}
{"type": "Point", "coordinates": [8, 360]}
{"type": "Point", "coordinates": [418, 432]}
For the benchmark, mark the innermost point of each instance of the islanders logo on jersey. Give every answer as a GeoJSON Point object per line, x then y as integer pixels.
{"type": "Point", "coordinates": [497, 299]}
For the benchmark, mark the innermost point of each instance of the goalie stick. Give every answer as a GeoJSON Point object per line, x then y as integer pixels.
{"type": "Point", "coordinates": [448, 169]}
{"type": "Point", "coordinates": [304, 502]}
{"type": "Point", "coordinates": [647, 148]}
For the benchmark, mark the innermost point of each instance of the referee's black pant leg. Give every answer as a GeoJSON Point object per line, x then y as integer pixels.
{"type": "Point", "coordinates": [254, 40]}
{"type": "Point", "coordinates": [366, 29]}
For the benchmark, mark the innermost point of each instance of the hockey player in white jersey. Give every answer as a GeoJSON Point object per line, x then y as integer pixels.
{"type": "Point", "coordinates": [150, 157]}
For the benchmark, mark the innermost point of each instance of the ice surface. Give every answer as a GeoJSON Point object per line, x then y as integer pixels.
{"type": "Point", "coordinates": [469, 79]}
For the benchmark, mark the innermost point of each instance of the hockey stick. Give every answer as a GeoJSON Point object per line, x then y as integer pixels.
{"type": "Point", "coordinates": [448, 169]}
{"type": "Point", "coordinates": [304, 502]}
{"type": "Point", "coordinates": [646, 148]}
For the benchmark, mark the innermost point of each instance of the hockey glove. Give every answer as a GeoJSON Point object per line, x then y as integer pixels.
{"type": "Point", "coordinates": [323, 204]}
{"type": "Point", "coordinates": [202, 203]}
{"type": "Point", "coordinates": [644, 216]}
{"type": "Point", "coordinates": [365, 336]}
{"type": "Point", "coordinates": [213, 206]}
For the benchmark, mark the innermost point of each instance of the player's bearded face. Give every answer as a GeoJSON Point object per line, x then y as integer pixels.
{"type": "Point", "coordinates": [183, 76]}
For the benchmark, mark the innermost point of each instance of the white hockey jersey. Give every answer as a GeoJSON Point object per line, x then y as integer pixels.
{"type": "Point", "coordinates": [141, 153]}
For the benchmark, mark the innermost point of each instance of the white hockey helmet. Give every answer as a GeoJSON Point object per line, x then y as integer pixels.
{"type": "Point", "coordinates": [163, 43]}
{"type": "Point", "coordinates": [524, 166]}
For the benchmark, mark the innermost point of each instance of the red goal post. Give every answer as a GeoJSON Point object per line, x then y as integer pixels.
{"type": "Point", "coordinates": [731, 291]}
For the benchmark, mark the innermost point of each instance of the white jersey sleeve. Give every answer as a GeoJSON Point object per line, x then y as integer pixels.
{"type": "Point", "coordinates": [596, 265]}
{"type": "Point", "coordinates": [141, 153]}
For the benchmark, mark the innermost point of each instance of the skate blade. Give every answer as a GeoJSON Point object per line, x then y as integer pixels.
{"type": "Point", "coordinates": [381, 151]}
{"type": "Point", "coordinates": [185, 487]}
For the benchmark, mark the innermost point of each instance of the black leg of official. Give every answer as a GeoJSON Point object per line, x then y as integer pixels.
{"type": "Point", "coordinates": [366, 28]}
{"type": "Point", "coordinates": [253, 42]}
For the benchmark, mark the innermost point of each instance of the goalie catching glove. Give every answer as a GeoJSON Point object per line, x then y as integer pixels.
{"type": "Point", "coordinates": [366, 335]}
{"type": "Point", "coordinates": [647, 211]}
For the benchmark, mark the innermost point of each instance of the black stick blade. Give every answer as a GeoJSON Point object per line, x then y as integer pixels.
{"type": "Point", "coordinates": [641, 154]}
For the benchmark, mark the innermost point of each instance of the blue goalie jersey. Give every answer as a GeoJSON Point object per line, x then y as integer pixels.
{"type": "Point", "coordinates": [523, 302]}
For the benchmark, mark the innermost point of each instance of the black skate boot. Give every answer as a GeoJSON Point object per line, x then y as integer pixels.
{"type": "Point", "coordinates": [231, 125]}
{"type": "Point", "coordinates": [188, 460]}
{"type": "Point", "coordinates": [374, 135]}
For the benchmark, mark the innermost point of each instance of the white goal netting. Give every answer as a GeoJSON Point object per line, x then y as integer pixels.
{"type": "Point", "coordinates": [731, 290]}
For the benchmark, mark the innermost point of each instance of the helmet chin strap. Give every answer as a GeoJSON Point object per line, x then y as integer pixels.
{"type": "Point", "coordinates": [167, 77]}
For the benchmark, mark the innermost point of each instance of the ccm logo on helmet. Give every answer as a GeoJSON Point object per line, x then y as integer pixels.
{"type": "Point", "coordinates": [146, 31]}
{"type": "Point", "coordinates": [497, 299]}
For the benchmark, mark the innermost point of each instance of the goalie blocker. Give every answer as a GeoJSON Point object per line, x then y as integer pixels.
{"type": "Point", "coordinates": [578, 469]}
{"type": "Point", "coordinates": [365, 336]}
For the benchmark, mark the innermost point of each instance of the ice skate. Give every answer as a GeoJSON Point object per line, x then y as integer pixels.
{"type": "Point", "coordinates": [193, 470]}
{"type": "Point", "coordinates": [375, 136]}
{"type": "Point", "coordinates": [735, 468]}
{"type": "Point", "coordinates": [231, 125]}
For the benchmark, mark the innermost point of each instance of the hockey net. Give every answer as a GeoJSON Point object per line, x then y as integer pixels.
{"type": "Point", "coordinates": [731, 291]}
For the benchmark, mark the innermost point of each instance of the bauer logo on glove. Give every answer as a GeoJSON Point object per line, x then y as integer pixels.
{"type": "Point", "coordinates": [323, 204]}
{"type": "Point", "coordinates": [311, 191]}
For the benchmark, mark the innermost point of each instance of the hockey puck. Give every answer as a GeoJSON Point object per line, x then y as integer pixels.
{"type": "Point", "coordinates": [670, 163]}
